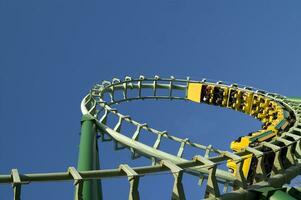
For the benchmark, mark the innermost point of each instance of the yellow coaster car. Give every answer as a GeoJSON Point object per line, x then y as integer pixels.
{"type": "Point", "coordinates": [241, 143]}
{"type": "Point", "coordinates": [274, 117]}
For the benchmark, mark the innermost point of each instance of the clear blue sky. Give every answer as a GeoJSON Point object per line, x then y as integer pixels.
{"type": "Point", "coordinates": [53, 52]}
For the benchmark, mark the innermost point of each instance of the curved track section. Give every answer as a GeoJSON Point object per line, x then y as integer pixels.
{"type": "Point", "coordinates": [267, 157]}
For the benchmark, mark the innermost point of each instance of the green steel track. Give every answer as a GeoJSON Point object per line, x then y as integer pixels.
{"type": "Point", "coordinates": [98, 112]}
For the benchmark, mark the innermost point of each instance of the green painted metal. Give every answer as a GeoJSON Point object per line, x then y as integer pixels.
{"type": "Point", "coordinates": [271, 193]}
{"type": "Point", "coordinates": [261, 136]}
{"type": "Point", "coordinates": [97, 167]}
{"type": "Point", "coordinates": [295, 98]}
{"type": "Point", "coordinates": [87, 159]}
{"type": "Point", "coordinates": [280, 195]}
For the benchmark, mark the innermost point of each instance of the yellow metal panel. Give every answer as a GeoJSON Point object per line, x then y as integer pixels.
{"type": "Point", "coordinates": [243, 143]}
{"type": "Point", "coordinates": [194, 92]}
{"type": "Point", "coordinates": [246, 165]}
{"type": "Point", "coordinates": [225, 96]}
{"type": "Point", "coordinates": [248, 102]}
{"type": "Point", "coordinates": [238, 99]}
{"type": "Point", "coordinates": [234, 93]}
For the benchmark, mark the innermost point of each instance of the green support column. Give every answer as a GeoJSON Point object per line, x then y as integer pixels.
{"type": "Point", "coordinates": [88, 158]}
{"type": "Point", "coordinates": [97, 165]}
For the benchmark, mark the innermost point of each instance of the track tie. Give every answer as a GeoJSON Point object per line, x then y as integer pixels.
{"type": "Point", "coordinates": [133, 179]}
{"type": "Point", "coordinates": [289, 154]}
{"type": "Point", "coordinates": [212, 189]}
{"type": "Point", "coordinates": [260, 174]}
{"type": "Point", "coordinates": [177, 172]}
{"type": "Point", "coordinates": [241, 181]}
{"type": "Point", "coordinates": [277, 165]}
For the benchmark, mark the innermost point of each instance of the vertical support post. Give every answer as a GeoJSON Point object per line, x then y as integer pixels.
{"type": "Point", "coordinates": [212, 189]}
{"type": "Point", "coordinates": [240, 181]}
{"type": "Point", "coordinates": [133, 179]}
{"type": "Point", "coordinates": [16, 184]}
{"type": "Point", "coordinates": [226, 185]}
{"type": "Point", "coordinates": [87, 159]}
{"type": "Point", "coordinates": [297, 138]}
{"type": "Point", "coordinates": [177, 172]}
{"type": "Point", "coordinates": [97, 167]}
{"type": "Point", "coordinates": [260, 174]}
{"type": "Point", "coordinates": [78, 183]}
{"type": "Point", "coordinates": [277, 165]}
{"type": "Point", "coordinates": [289, 154]}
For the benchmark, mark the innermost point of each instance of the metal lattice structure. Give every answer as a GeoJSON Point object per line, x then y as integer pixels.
{"type": "Point", "coordinates": [97, 109]}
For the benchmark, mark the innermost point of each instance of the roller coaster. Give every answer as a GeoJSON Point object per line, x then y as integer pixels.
{"type": "Point", "coordinates": [266, 158]}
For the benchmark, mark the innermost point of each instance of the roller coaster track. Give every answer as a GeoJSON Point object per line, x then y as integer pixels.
{"type": "Point", "coordinates": [219, 182]}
